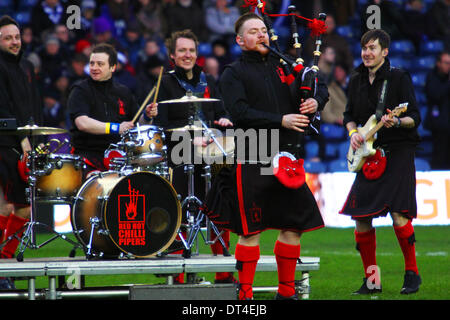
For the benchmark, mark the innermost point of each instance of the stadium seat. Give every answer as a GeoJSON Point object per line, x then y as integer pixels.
{"type": "Point", "coordinates": [314, 166]}
{"type": "Point", "coordinates": [311, 149]}
{"type": "Point", "coordinates": [22, 17]}
{"type": "Point", "coordinates": [419, 79]}
{"type": "Point", "coordinates": [346, 31]}
{"type": "Point", "coordinates": [401, 63]}
{"type": "Point", "coordinates": [356, 62]}
{"type": "Point", "coordinates": [27, 4]}
{"type": "Point", "coordinates": [402, 47]}
{"type": "Point", "coordinates": [431, 47]}
{"type": "Point", "coordinates": [332, 150]}
{"type": "Point", "coordinates": [204, 49]}
{"type": "Point", "coordinates": [421, 97]}
{"type": "Point", "coordinates": [422, 164]}
{"type": "Point", "coordinates": [338, 165]}
{"type": "Point", "coordinates": [423, 133]}
{"type": "Point", "coordinates": [424, 63]}
{"type": "Point", "coordinates": [343, 149]}
{"type": "Point", "coordinates": [332, 131]}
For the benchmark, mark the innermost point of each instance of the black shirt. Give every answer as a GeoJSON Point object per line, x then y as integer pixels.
{"type": "Point", "coordinates": [106, 101]}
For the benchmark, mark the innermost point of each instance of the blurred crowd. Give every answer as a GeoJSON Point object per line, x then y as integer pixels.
{"type": "Point", "coordinates": [138, 28]}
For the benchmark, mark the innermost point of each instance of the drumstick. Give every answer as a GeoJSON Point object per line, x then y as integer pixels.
{"type": "Point", "coordinates": [136, 117]}
{"type": "Point", "coordinates": [157, 85]}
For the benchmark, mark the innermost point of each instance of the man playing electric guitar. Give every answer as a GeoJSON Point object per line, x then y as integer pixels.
{"type": "Point", "coordinates": [373, 86]}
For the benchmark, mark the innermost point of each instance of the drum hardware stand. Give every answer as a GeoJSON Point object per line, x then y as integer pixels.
{"type": "Point", "coordinates": [194, 223]}
{"type": "Point", "coordinates": [29, 237]}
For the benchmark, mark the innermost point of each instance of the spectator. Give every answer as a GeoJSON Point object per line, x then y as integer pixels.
{"type": "Point", "coordinates": [102, 32]}
{"type": "Point", "coordinates": [118, 13]}
{"type": "Point", "coordinates": [46, 15]}
{"type": "Point", "coordinates": [438, 18]}
{"type": "Point", "coordinates": [54, 112]}
{"type": "Point", "coordinates": [29, 41]}
{"type": "Point", "coordinates": [76, 70]}
{"type": "Point", "coordinates": [132, 42]}
{"type": "Point", "coordinates": [333, 111]}
{"type": "Point", "coordinates": [87, 18]}
{"type": "Point", "coordinates": [415, 21]}
{"type": "Point", "coordinates": [125, 74]}
{"type": "Point", "coordinates": [52, 60]}
{"type": "Point", "coordinates": [185, 14]}
{"type": "Point", "coordinates": [150, 17]}
{"type": "Point", "coordinates": [437, 90]}
{"type": "Point", "coordinates": [330, 38]}
{"type": "Point", "coordinates": [221, 52]}
{"type": "Point", "coordinates": [212, 68]}
{"type": "Point", "coordinates": [220, 21]}
{"type": "Point", "coordinates": [147, 76]}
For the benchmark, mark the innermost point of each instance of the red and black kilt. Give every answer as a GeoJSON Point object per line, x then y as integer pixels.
{"type": "Point", "coordinates": [245, 202]}
{"type": "Point", "coordinates": [13, 185]}
{"type": "Point", "coordinates": [394, 191]}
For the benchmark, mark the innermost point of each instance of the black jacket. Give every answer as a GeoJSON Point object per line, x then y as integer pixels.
{"type": "Point", "coordinates": [19, 95]}
{"type": "Point", "coordinates": [363, 99]}
{"type": "Point", "coordinates": [437, 90]}
{"type": "Point", "coordinates": [176, 115]}
{"type": "Point", "coordinates": [106, 101]}
{"type": "Point", "coordinates": [257, 97]}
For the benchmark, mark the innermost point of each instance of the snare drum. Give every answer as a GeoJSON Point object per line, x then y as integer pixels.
{"type": "Point", "coordinates": [148, 147]}
{"type": "Point", "coordinates": [213, 154]}
{"type": "Point", "coordinates": [59, 176]}
{"type": "Point", "coordinates": [137, 214]}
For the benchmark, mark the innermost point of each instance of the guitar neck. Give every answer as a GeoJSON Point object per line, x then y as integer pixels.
{"type": "Point", "coordinates": [374, 130]}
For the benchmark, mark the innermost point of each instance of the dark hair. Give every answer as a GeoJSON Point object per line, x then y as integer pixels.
{"type": "Point", "coordinates": [441, 54]}
{"type": "Point", "coordinates": [242, 19]}
{"type": "Point", "coordinates": [383, 38]}
{"type": "Point", "coordinates": [171, 42]}
{"type": "Point", "coordinates": [109, 50]}
{"type": "Point", "coordinates": [6, 20]}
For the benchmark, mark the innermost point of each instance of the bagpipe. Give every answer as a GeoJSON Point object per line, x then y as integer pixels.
{"type": "Point", "coordinates": [303, 81]}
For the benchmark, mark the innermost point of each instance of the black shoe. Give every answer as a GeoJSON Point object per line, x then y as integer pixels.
{"type": "Point", "coordinates": [7, 284]}
{"type": "Point", "coordinates": [366, 290]}
{"type": "Point", "coordinates": [411, 282]}
{"type": "Point", "coordinates": [280, 297]}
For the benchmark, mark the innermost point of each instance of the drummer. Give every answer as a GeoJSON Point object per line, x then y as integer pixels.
{"type": "Point", "coordinates": [101, 109]}
{"type": "Point", "coordinates": [19, 99]}
{"type": "Point", "coordinates": [182, 48]}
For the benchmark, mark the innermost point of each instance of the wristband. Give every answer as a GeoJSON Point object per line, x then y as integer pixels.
{"type": "Point", "coordinates": [352, 132]}
{"type": "Point", "coordinates": [397, 125]}
{"type": "Point", "coordinates": [114, 128]}
{"type": "Point", "coordinates": [107, 127]}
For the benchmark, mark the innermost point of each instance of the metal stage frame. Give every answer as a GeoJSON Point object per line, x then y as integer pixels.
{"type": "Point", "coordinates": [61, 267]}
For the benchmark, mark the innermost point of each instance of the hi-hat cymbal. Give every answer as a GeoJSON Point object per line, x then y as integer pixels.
{"type": "Point", "coordinates": [35, 130]}
{"type": "Point", "coordinates": [189, 99]}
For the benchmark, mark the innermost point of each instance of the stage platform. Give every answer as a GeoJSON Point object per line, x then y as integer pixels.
{"type": "Point", "coordinates": [76, 268]}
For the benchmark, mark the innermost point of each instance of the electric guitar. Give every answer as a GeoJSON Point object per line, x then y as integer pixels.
{"type": "Point", "coordinates": [357, 158]}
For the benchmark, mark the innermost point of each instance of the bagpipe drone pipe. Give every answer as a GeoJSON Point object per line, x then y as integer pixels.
{"type": "Point", "coordinates": [303, 81]}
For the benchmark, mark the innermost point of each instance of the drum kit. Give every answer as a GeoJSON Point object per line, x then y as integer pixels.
{"type": "Point", "coordinates": [132, 210]}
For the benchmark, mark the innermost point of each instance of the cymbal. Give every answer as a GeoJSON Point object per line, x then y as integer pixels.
{"type": "Point", "coordinates": [189, 99]}
{"type": "Point", "coordinates": [35, 130]}
{"type": "Point", "coordinates": [186, 128]}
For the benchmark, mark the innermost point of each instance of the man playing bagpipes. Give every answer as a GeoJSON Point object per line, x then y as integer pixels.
{"type": "Point", "coordinates": [259, 96]}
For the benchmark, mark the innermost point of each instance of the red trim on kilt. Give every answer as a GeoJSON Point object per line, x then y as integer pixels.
{"type": "Point", "coordinates": [241, 198]}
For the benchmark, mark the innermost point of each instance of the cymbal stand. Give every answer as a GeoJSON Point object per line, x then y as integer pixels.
{"type": "Point", "coordinates": [29, 237]}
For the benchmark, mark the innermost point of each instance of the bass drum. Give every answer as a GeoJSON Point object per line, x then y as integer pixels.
{"type": "Point", "coordinates": [137, 214]}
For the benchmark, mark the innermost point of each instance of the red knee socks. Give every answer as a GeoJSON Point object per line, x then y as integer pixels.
{"type": "Point", "coordinates": [246, 260]}
{"type": "Point", "coordinates": [3, 222]}
{"type": "Point", "coordinates": [286, 256]}
{"type": "Point", "coordinates": [217, 249]}
{"type": "Point", "coordinates": [405, 236]}
{"type": "Point", "coordinates": [13, 225]}
{"type": "Point", "coordinates": [366, 245]}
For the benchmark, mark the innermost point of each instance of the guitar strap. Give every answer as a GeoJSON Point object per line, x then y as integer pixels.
{"type": "Point", "coordinates": [380, 106]}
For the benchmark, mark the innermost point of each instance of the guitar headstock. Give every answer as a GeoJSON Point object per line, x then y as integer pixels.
{"type": "Point", "coordinates": [402, 107]}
